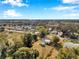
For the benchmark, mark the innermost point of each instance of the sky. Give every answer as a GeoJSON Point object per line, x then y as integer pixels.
{"type": "Point", "coordinates": [39, 9]}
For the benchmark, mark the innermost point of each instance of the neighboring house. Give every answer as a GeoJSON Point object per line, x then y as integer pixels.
{"type": "Point", "coordinates": [50, 29]}
{"type": "Point", "coordinates": [45, 40]}
{"type": "Point", "coordinates": [54, 32]}
{"type": "Point", "coordinates": [70, 45]}
{"type": "Point", "coordinates": [60, 33]}
{"type": "Point", "coordinates": [36, 33]}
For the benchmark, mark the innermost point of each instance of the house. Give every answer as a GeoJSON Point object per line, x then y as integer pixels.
{"type": "Point", "coordinates": [45, 41]}
{"type": "Point", "coordinates": [60, 33]}
{"type": "Point", "coordinates": [70, 45]}
{"type": "Point", "coordinates": [54, 32]}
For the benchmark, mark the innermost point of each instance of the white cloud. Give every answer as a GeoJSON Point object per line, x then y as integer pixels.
{"type": "Point", "coordinates": [71, 1]}
{"type": "Point", "coordinates": [66, 8]}
{"type": "Point", "coordinates": [72, 15]}
{"type": "Point", "coordinates": [15, 3]}
{"type": "Point", "coordinates": [11, 13]}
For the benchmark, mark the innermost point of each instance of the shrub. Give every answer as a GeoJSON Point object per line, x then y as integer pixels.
{"type": "Point", "coordinates": [66, 53]}
{"type": "Point", "coordinates": [55, 39]}
{"type": "Point", "coordinates": [76, 51]}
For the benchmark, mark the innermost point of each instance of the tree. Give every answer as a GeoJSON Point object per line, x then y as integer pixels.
{"type": "Point", "coordinates": [42, 34]}
{"type": "Point", "coordinates": [42, 29]}
{"type": "Point", "coordinates": [2, 46]}
{"type": "Point", "coordinates": [2, 29]}
{"type": "Point", "coordinates": [26, 53]}
{"type": "Point", "coordinates": [14, 48]}
{"type": "Point", "coordinates": [28, 40]}
{"type": "Point", "coordinates": [34, 37]}
{"type": "Point", "coordinates": [56, 40]}
{"type": "Point", "coordinates": [3, 53]}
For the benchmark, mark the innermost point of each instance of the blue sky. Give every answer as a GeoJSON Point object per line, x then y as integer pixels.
{"type": "Point", "coordinates": [39, 9]}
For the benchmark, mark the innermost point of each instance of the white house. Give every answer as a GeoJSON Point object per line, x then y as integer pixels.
{"type": "Point", "coordinates": [70, 45]}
